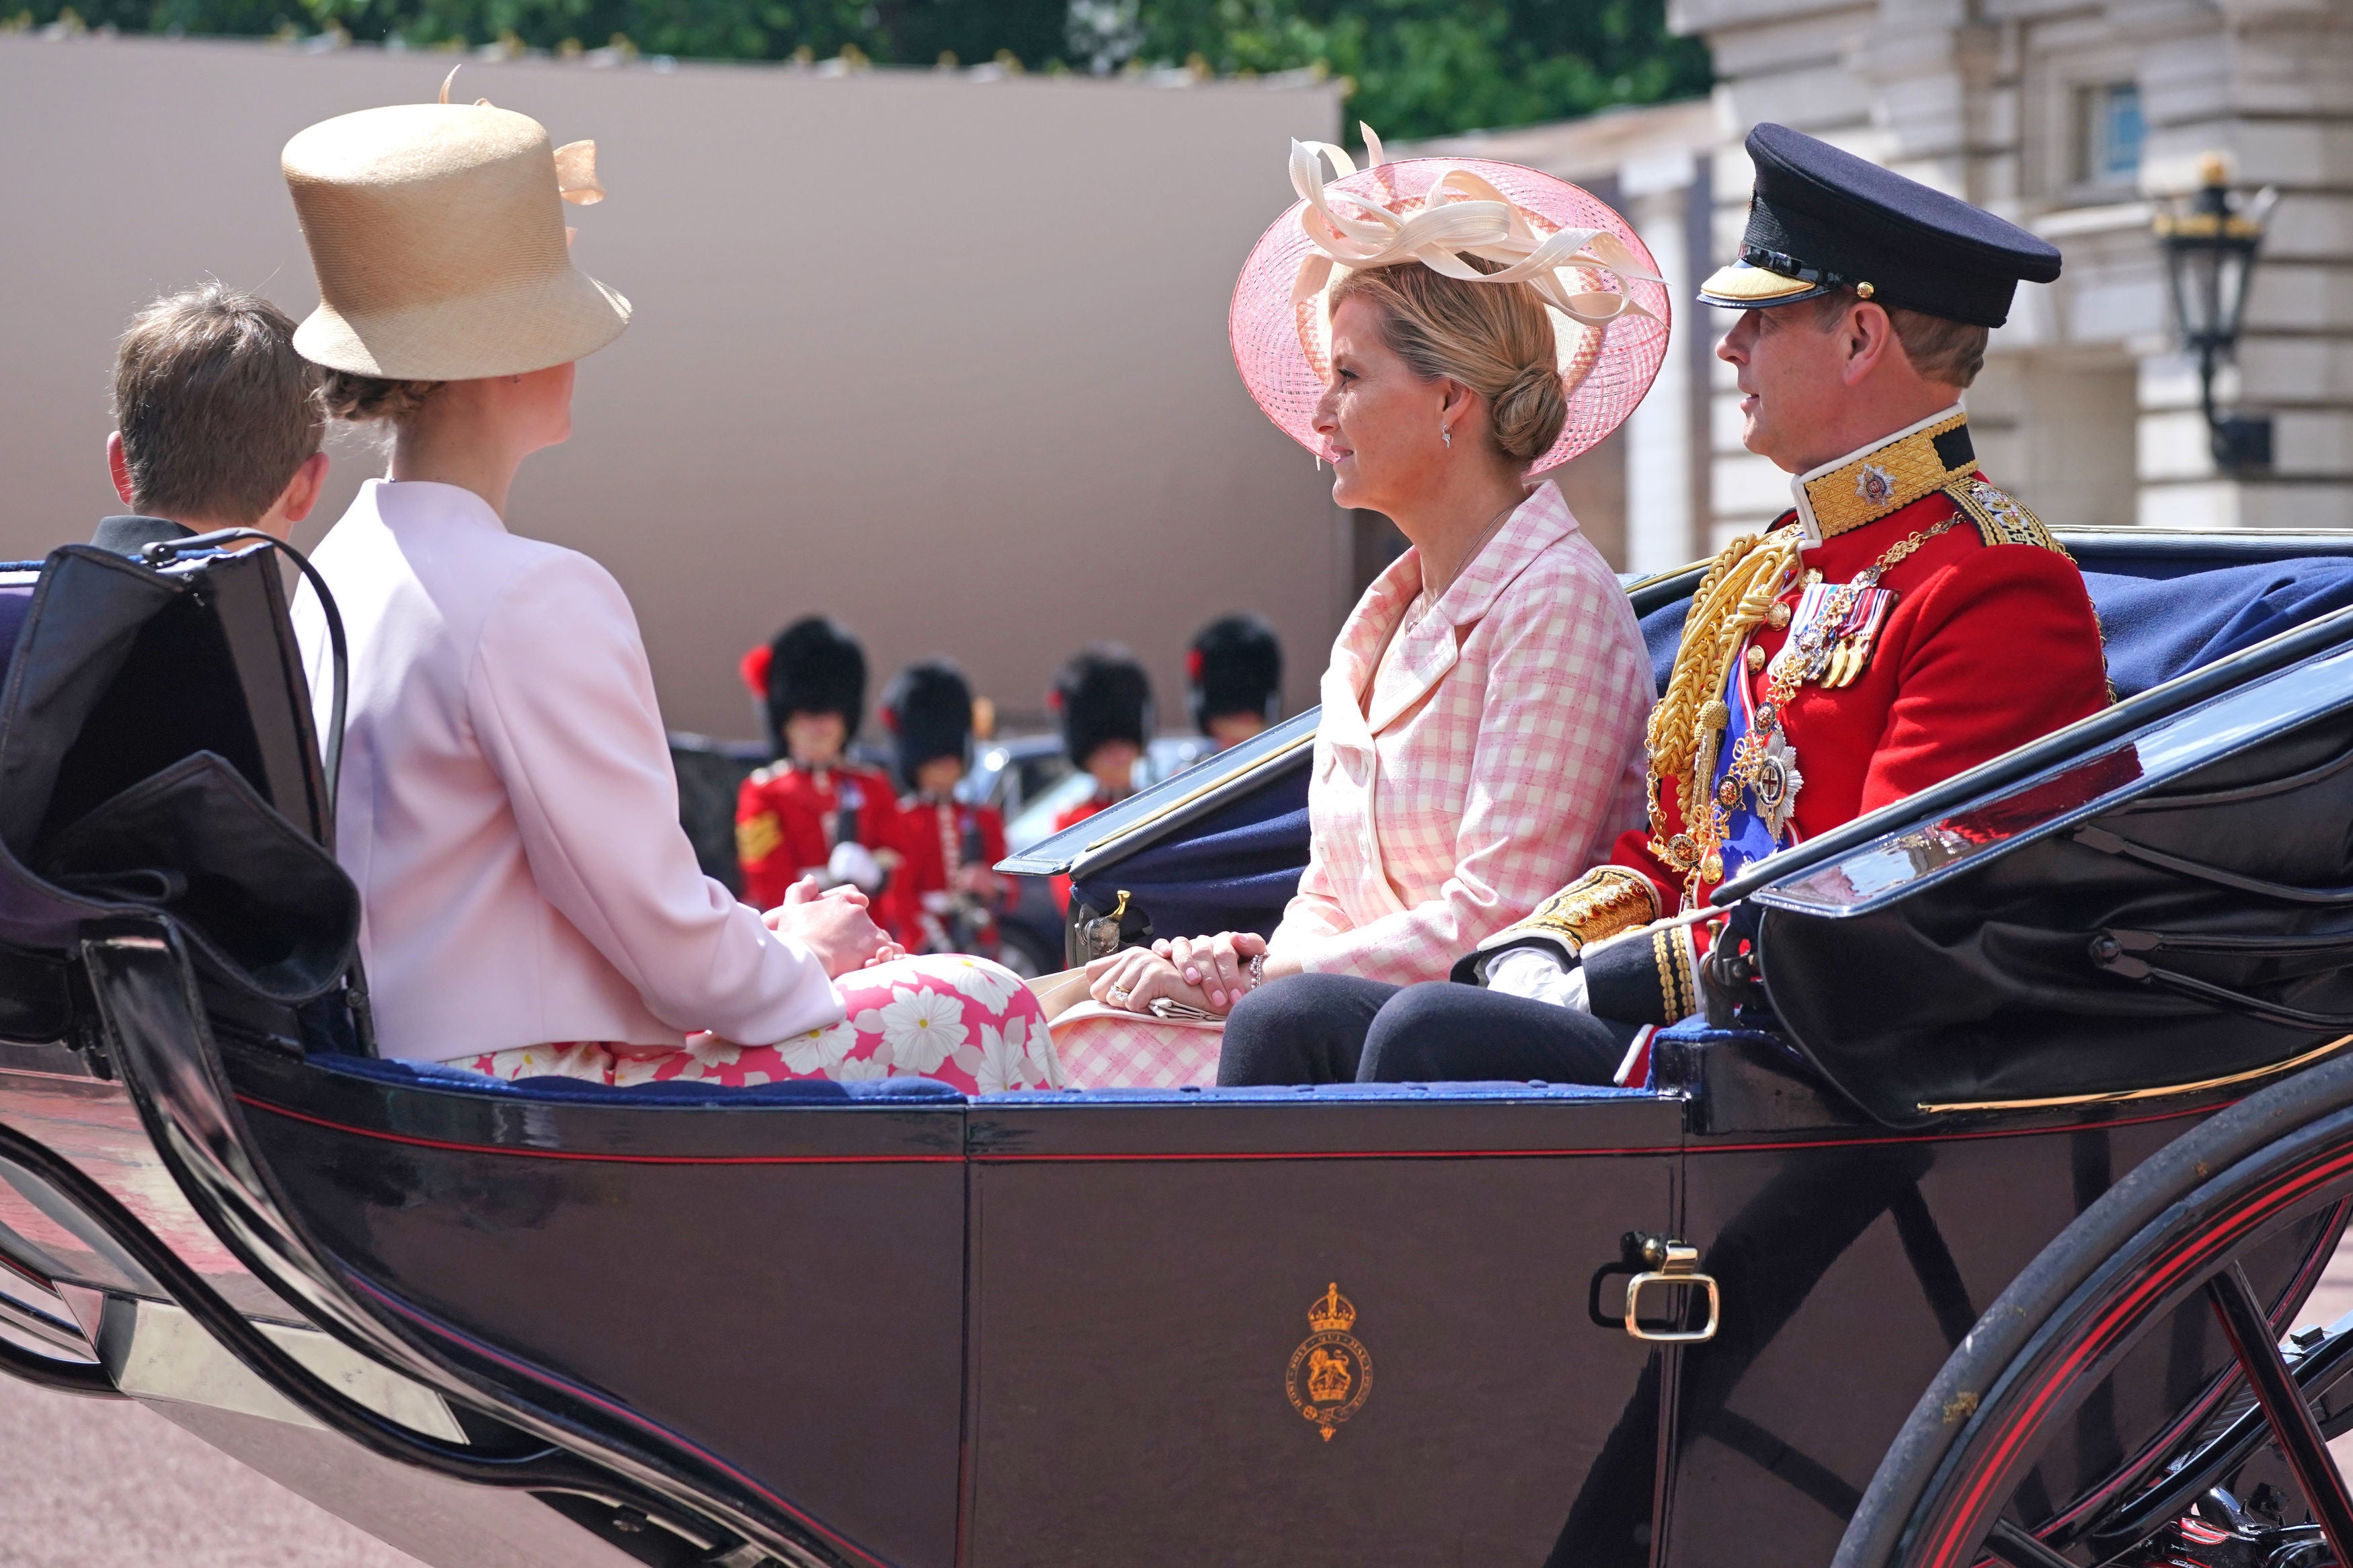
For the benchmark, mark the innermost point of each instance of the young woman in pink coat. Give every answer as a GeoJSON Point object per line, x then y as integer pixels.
{"type": "Point", "coordinates": [530, 903]}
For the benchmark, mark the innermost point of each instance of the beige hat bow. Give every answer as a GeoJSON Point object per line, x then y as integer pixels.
{"type": "Point", "coordinates": [1357, 231]}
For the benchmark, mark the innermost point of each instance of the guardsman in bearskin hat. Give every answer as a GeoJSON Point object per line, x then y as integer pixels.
{"type": "Point", "coordinates": [944, 896]}
{"type": "Point", "coordinates": [1233, 677]}
{"type": "Point", "coordinates": [1904, 621]}
{"type": "Point", "coordinates": [813, 812]}
{"type": "Point", "coordinates": [1103, 701]}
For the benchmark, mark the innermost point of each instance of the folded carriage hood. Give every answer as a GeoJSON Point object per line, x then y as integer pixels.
{"type": "Point", "coordinates": [1149, 816]}
{"type": "Point", "coordinates": [2153, 900]}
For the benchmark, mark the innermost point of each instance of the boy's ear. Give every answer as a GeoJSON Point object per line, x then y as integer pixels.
{"type": "Point", "coordinates": [302, 492]}
{"type": "Point", "coordinates": [119, 466]}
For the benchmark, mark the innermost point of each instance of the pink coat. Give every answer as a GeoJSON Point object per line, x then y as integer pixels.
{"type": "Point", "coordinates": [1493, 761]}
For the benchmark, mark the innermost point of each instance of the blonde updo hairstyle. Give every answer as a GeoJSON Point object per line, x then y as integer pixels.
{"type": "Point", "coordinates": [1495, 338]}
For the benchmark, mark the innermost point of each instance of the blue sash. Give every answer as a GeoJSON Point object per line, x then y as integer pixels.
{"type": "Point", "coordinates": [1745, 836]}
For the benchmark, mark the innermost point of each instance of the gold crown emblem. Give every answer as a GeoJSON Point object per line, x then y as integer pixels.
{"type": "Point", "coordinates": [1333, 1311]}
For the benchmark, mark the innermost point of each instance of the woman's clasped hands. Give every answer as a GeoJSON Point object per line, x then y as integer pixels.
{"type": "Point", "coordinates": [834, 924]}
{"type": "Point", "coordinates": [1209, 973]}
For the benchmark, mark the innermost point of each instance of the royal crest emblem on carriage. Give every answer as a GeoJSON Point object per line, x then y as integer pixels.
{"type": "Point", "coordinates": [1331, 1373]}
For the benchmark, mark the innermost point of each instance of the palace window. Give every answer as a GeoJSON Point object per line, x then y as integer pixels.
{"type": "Point", "coordinates": [2109, 132]}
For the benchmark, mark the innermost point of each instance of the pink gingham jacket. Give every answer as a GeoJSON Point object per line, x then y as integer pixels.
{"type": "Point", "coordinates": [1496, 759]}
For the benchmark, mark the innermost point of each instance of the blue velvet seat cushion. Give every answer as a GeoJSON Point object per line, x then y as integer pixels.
{"type": "Point", "coordinates": [580, 1091]}
{"type": "Point", "coordinates": [1323, 1093]}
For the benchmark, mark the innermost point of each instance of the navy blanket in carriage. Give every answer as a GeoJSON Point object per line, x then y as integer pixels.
{"type": "Point", "coordinates": [2157, 628]}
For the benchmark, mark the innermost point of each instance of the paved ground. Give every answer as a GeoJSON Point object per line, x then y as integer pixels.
{"type": "Point", "coordinates": [88, 1483]}
{"type": "Point", "coordinates": [104, 1484]}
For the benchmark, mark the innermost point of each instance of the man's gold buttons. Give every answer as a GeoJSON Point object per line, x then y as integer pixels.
{"type": "Point", "coordinates": [1778, 618]}
{"type": "Point", "coordinates": [1756, 659]}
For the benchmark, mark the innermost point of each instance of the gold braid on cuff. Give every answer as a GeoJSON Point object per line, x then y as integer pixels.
{"type": "Point", "coordinates": [1598, 905]}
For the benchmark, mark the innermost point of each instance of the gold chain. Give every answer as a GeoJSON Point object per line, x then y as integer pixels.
{"type": "Point", "coordinates": [1733, 598]}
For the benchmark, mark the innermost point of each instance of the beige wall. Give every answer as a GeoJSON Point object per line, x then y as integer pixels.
{"type": "Point", "coordinates": [944, 357]}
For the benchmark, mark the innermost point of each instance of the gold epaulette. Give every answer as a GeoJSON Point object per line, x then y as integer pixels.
{"type": "Point", "coordinates": [2000, 519]}
{"type": "Point", "coordinates": [1598, 905]}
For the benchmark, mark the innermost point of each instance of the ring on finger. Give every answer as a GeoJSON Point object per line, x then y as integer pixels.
{"type": "Point", "coordinates": [1118, 996]}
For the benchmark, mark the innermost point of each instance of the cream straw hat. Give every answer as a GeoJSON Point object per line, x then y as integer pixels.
{"type": "Point", "coordinates": [436, 231]}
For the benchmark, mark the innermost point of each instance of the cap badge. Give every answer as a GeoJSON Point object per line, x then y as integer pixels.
{"type": "Point", "coordinates": [1331, 1373]}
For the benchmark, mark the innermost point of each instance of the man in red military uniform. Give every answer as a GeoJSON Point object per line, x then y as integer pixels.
{"type": "Point", "coordinates": [813, 812]}
{"type": "Point", "coordinates": [1103, 700]}
{"type": "Point", "coordinates": [1904, 622]}
{"type": "Point", "coordinates": [944, 896]}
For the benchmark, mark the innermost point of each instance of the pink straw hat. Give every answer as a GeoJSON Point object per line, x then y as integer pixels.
{"type": "Point", "coordinates": [1609, 305]}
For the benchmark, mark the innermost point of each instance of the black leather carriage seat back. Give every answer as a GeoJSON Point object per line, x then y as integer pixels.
{"type": "Point", "coordinates": [157, 757]}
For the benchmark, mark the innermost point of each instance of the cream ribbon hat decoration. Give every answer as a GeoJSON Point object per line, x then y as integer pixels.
{"type": "Point", "coordinates": [436, 232]}
{"type": "Point", "coordinates": [1610, 305]}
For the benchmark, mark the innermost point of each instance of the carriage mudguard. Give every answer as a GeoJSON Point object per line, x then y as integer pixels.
{"type": "Point", "coordinates": [2159, 896]}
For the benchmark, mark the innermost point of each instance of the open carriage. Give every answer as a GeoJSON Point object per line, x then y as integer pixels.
{"type": "Point", "coordinates": [1973, 1222]}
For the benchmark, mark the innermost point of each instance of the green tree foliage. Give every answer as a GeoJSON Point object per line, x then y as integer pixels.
{"type": "Point", "coordinates": [1416, 68]}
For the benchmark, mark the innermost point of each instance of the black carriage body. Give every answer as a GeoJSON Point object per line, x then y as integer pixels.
{"type": "Point", "coordinates": [1058, 1329]}
{"type": "Point", "coordinates": [825, 1326]}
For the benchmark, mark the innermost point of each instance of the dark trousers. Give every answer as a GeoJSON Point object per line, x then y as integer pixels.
{"type": "Point", "coordinates": [1336, 1028]}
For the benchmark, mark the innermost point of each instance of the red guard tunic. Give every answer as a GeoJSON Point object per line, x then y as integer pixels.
{"type": "Point", "coordinates": [1991, 641]}
{"type": "Point", "coordinates": [938, 838]}
{"type": "Point", "coordinates": [788, 818]}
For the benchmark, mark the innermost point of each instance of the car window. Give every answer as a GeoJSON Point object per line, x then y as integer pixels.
{"type": "Point", "coordinates": [1036, 820]}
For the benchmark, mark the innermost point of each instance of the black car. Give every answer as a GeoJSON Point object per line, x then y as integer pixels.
{"type": "Point", "coordinates": [1974, 1220]}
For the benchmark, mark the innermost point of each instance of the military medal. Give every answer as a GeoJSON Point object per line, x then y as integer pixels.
{"type": "Point", "coordinates": [1775, 783]}
{"type": "Point", "coordinates": [1831, 635]}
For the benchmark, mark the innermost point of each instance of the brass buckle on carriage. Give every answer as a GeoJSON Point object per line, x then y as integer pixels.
{"type": "Point", "coordinates": [1674, 1264]}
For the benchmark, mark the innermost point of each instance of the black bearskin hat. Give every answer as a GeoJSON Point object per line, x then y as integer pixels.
{"type": "Point", "coordinates": [1102, 694]}
{"type": "Point", "coordinates": [813, 667]}
{"type": "Point", "coordinates": [928, 709]}
{"type": "Point", "coordinates": [1235, 665]}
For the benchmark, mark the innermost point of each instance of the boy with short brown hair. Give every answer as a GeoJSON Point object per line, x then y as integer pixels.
{"type": "Point", "coordinates": [218, 421]}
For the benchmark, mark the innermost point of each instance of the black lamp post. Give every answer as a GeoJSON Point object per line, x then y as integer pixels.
{"type": "Point", "coordinates": [2209, 259]}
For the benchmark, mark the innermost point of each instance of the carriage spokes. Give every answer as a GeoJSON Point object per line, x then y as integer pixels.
{"type": "Point", "coordinates": [2029, 1448]}
{"type": "Point", "coordinates": [2282, 1400]}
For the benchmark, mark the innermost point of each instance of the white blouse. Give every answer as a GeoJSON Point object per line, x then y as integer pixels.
{"type": "Point", "coordinates": [507, 803]}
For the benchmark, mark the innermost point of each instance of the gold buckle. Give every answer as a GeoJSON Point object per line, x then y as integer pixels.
{"type": "Point", "coordinates": [1673, 1263]}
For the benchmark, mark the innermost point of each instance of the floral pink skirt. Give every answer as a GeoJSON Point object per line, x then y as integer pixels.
{"type": "Point", "coordinates": [963, 1021]}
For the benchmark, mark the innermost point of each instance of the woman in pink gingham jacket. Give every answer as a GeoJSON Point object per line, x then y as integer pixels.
{"type": "Point", "coordinates": [1485, 706]}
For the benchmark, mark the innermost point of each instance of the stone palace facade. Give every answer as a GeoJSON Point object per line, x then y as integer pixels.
{"type": "Point", "coordinates": [2075, 118]}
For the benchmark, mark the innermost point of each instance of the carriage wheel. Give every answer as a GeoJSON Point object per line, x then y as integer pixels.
{"type": "Point", "coordinates": [2128, 1398]}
